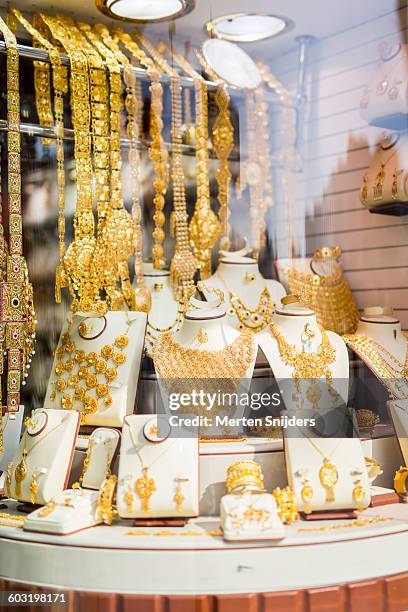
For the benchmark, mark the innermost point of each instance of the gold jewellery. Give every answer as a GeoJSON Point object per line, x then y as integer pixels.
{"type": "Point", "coordinates": [21, 469]}
{"type": "Point", "coordinates": [204, 225]}
{"type": "Point", "coordinates": [400, 482]}
{"type": "Point", "coordinates": [223, 143]}
{"type": "Point", "coordinates": [392, 372]}
{"type": "Point", "coordinates": [17, 317]}
{"type": "Point", "coordinates": [360, 522]}
{"type": "Point", "coordinates": [328, 473]}
{"type": "Point", "coordinates": [244, 474]}
{"type": "Point", "coordinates": [173, 360]}
{"type": "Point", "coordinates": [85, 378]}
{"type": "Point", "coordinates": [157, 150]}
{"type": "Point", "coordinates": [286, 502]}
{"type": "Point", "coordinates": [307, 366]}
{"type": "Point", "coordinates": [106, 506]}
{"type": "Point", "coordinates": [254, 319]}
{"type": "Point", "coordinates": [184, 264]}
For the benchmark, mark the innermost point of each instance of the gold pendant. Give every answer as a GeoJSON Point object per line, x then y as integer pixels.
{"type": "Point", "coordinates": [21, 473]}
{"type": "Point", "coordinates": [307, 496]}
{"type": "Point", "coordinates": [329, 476]}
{"type": "Point", "coordinates": [129, 499]}
{"type": "Point", "coordinates": [145, 487]}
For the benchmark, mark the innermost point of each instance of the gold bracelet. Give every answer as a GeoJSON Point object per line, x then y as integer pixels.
{"type": "Point", "coordinates": [204, 225]}
{"type": "Point", "coordinates": [106, 507]}
{"type": "Point", "coordinates": [360, 522]}
{"type": "Point", "coordinates": [223, 142]}
{"type": "Point", "coordinates": [400, 482]}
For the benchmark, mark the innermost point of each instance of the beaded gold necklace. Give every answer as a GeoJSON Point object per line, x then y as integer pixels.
{"type": "Point", "coordinates": [84, 378]}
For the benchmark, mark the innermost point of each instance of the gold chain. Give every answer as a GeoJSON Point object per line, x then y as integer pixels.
{"type": "Point", "coordinates": [60, 85]}
{"type": "Point", "coordinates": [254, 319]}
{"type": "Point", "coordinates": [17, 324]}
{"type": "Point", "coordinates": [184, 264]}
{"type": "Point", "coordinates": [223, 142]}
{"type": "Point", "coordinates": [157, 150]}
{"type": "Point", "coordinates": [360, 522]}
{"type": "Point", "coordinates": [204, 225]}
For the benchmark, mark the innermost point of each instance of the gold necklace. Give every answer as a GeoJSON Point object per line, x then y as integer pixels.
{"type": "Point", "coordinates": [21, 470]}
{"type": "Point", "coordinates": [360, 522]}
{"type": "Point", "coordinates": [390, 377]}
{"type": "Point", "coordinates": [17, 314]}
{"type": "Point", "coordinates": [78, 373]}
{"type": "Point", "coordinates": [183, 265]}
{"type": "Point", "coordinates": [328, 473]}
{"type": "Point", "coordinates": [157, 151]}
{"type": "Point", "coordinates": [223, 142]}
{"type": "Point", "coordinates": [254, 319]}
{"type": "Point", "coordinates": [173, 360]}
{"type": "Point", "coordinates": [145, 485]}
{"type": "Point", "coordinates": [60, 85]}
{"type": "Point", "coordinates": [204, 225]}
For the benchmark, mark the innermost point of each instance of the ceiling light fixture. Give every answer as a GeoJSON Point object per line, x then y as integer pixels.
{"type": "Point", "coordinates": [248, 27]}
{"type": "Point", "coordinates": [142, 11]}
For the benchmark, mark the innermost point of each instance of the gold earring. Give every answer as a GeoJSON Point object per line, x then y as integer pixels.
{"type": "Point", "coordinates": [249, 277]}
{"type": "Point", "coordinates": [307, 496]}
{"type": "Point", "coordinates": [129, 498]}
{"type": "Point", "coordinates": [202, 337]}
{"type": "Point", "coordinates": [178, 496]}
{"type": "Point", "coordinates": [34, 487]}
{"type": "Point", "coordinates": [358, 494]}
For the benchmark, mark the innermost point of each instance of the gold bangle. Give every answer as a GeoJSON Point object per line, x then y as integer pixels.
{"type": "Point", "coordinates": [106, 507]}
{"type": "Point", "coordinates": [400, 482]}
{"type": "Point", "coordinates": [243, 474]}
{"type": "Point", "coordinates": [290, 299]}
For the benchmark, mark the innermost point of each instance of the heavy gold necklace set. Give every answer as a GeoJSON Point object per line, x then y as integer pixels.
{"type": "Point", "coordinates": [392, 372]}
{"type": "Point", "coordinates": [85, 379]}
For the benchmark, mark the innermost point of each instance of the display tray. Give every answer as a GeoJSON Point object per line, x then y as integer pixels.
{"type": "Point", "coordinates": [166, 561]}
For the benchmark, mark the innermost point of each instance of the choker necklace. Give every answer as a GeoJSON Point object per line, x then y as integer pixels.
{"type": "Point", "coordinates": [255, 319]}
{"type": "Point", "coordinates": [85, 377]}
{"type": "Point", "coordinates": [173, 360]}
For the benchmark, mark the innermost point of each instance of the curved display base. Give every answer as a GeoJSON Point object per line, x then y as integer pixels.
{"type": "Point", "coordinates": [383, 594]}
{"type": "Point", "coordinates": [346, 567]}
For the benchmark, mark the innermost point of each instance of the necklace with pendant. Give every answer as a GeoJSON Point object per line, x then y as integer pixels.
{"type": "Point", "coordinates": [328, 473]}
{"type": "Point", "coordinates": [86, 377]}
{"type": "Point", "coordinates": [145, 485]}
{"type": "Point", "coordinates": [252, 318]}
{"type": "Point", "coordinates": [21, 470]}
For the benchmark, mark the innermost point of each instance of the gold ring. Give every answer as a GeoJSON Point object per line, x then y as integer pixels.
{"type": "Point", "coordinates": [289, 299]}
{"type": "Point", "coordinates": [400, 481]}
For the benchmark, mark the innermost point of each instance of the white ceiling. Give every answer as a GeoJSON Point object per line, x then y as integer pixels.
{"type": "Point", "coordinates": [319, 18]}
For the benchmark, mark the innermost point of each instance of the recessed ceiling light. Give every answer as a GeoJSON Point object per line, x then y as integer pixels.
{"type": "Point", "coordinates": [248, 27]}
{"type": "Point", "coordinates": [145, 10]}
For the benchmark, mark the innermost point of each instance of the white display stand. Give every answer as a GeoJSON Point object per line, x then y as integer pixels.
{"type": "Point", "coordinates": [174, 470]}
{"type": "Point", "coordinates": [241, 275]}
{"type": "Point", "coordinates": [398, 411]}
{"type": "Point", "coordinates": [196, 560]}
{"type": "Point", "coordinates": [248, 517]}
{"type": "Point", "coordinates": [49, 455]}
{"type": "Point", "coordinates": [103, 446]}
{"type": "Point", "coordinates": [304, 465]}
{"type": "Point", "coordinates": [291, 321]}
{"type": "Point", "coordinates": [11, 438]}
{"type": "Point", "coordinates": [68, 512]}
{"type": "Point", "coordinates": [123, 388]}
